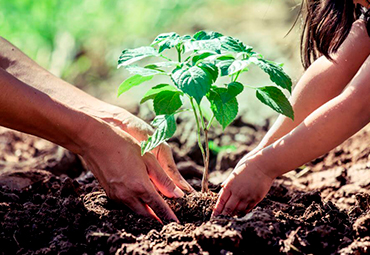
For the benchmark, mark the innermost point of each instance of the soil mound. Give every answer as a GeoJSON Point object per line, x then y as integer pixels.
{"type": "Point", "coordinates": [57, 207]}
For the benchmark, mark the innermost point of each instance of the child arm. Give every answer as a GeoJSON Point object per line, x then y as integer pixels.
{"type": "Point", "coordinates": [323, 130]}
{"type": "Point", "coordinates": [322, 81]}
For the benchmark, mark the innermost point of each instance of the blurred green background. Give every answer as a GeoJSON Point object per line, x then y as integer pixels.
{"type": "Point", "coordinates": [80, 41]}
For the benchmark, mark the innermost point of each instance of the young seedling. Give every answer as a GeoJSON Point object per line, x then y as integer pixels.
{"type": "Point", "coordinates": [202, 59]}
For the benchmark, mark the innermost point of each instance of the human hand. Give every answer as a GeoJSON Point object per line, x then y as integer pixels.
{"type": "Point", "coordinates": [140, 130]}
{"type": "Point", "coordinates": [127, 177]}
{"type": "Point", "coordinates": [246, 186]}
{"type": "Point", "coordinates": [248, 155]}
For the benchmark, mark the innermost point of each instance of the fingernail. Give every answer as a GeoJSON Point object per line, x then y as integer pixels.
{"type": "Point", "coordinates": [178, 192]}
{"type": "Point", "coordinates": [172, 220]}
{"type": "Point", "coordinates": [186, 185]}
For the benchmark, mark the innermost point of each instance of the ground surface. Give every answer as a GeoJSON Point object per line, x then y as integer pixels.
{"type": "Point", "coordinates": [49, 204]}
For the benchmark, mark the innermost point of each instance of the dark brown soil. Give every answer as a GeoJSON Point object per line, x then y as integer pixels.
{"type": "Point", "coordinates": [50, 205]}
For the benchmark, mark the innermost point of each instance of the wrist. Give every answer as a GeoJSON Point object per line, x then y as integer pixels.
{"type": "Point", "coordinates": [106, 112]}
{"type": "Point", "coordinates": [89, 132]}
{"type": "Point", "coordinates": [125, 121]}
{"type": "Point", "coordinates": [265, 165]}
{"type": "Point", "coordinates": [118, 117]}
{"type": "Point", "coordinates": [76, 132]}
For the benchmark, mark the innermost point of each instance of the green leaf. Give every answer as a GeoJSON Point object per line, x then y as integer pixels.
{"type": "Point", "coordinates": [163, 37]}
{"type": "Point", "coordinates": [233, 89]}
{"type": "Point", "coordinates": [238, 65]}
{"type": "Point", "coordinates": [203, 40]}
{"type": "Point", "coordinates": [276, 72]}
{"type": "Point", "coordinates": [274, 98]}
{"type": "Point", "coordinates": [216, 42]}
{"type": "Point", "coordinates": [245, 55]}
{"type": "Point", "coordinates": [211, 69]}
{"type": "Point", "coordinates": [221, 57]}
{"type": "Point", "coordinates": [195, 80]}
{"type": "Point", "coordinates": [130, 56]}
{"type": "Point", "coordinates": [224, 104]}
{"type": "Point", "coordinates": [232, 44]}
{"type": "Point", "coordinates": [224, 113]}
{"type": "Point", "coordinates": [230, 66]}
{"type": "Point", "coordinates": [203, 35]}
{"type": "Point", "coordinates": [153, 92]}
{"type": "Point", "coordinates": [143, 71]}
{"type": "Point", "coordinates": [165, 128]}
{"type": "Point", "coordinates": [185, 38]}
{"type": "Point", "coordinates": [224, 66]}
{"type": "Point", "coordinates": [159, 65]}
{"type": "Point", "coordinates": [201, 55]}
{"type": "Point", "coordinates": [131, 82]}
{"type": "Point", "coordinates": [167, 102]}
{"type": "Point", "coordinates": [166, 41]}
{"type": "Point", "coordinates": [211, 45]}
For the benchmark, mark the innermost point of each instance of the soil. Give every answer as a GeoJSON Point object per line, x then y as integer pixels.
{"type": "Point", "coordinates": [50, 204]}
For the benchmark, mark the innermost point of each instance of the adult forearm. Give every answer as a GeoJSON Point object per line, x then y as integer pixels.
{"type": "Point", "coordinates": [29, 110]}
{"type": "Point", "coordinates": [26, 70]}
{"type": "Point", "coordinates": [16, 63]}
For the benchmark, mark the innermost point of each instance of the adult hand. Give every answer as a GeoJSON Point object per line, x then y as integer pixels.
{"type": "Point", "coordinates": [126, 176]}
{"type": "Point", "coordinates": [140, 130]}
{"type": "Point", "coordinates": [246, 186]}
{"type": "Point", "coordinates": [110, 151]}
{"type": "Point", "coordinates": [112, 154]}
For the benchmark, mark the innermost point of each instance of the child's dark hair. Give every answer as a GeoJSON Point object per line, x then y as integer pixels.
{"type": "Point", "coordinates": [326, 25]}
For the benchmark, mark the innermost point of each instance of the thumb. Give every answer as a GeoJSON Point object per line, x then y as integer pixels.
{"type": "Point", "coordinates": [160, 179]}
{"type": "Point", "coordinates": [166, 161]}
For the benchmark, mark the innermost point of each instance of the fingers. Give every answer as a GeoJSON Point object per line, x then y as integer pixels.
{"type": "Point", "coordinates": [221, 201]}
{"type": "Point", "coordinates": [250, 207]}
{"type": "Point", "coordinates": [151, 205]}
{"type": "Point", "coordinates": [165, 159]}
{"type": "Point", "coordinates": [228, 180]}
{"type": "Point", "coordinates": [241, 209]}
{"type": "Point", "coordinates": [143, 199]}
{"type": "Point", "coordinates": [233, 205]}
{"type": "Point", "coordinates": [159, 206]}
{"type": "Point", "coordinates": [140, 208]}
{"type": "Point", "coordinates": [161, 180]}
{"type": "Point", "coordinates": [175, 175]}
{"type": "Point", "coordinates": [230, 205]}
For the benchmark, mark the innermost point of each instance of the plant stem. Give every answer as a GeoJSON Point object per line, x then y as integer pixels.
{"type": "Point", "coordinates": [163, 56]}
{"type": "Point", "coordinates": [201, 116]}
{"type": "Point", "coordinates": [206, 156]}
{"type": "Point", "coordinates": [206, 165]}
{"type": "Point", "coordinates": [210, 122]}
{"type": "Point", "coordinates": [198, 130]}
{"type": "Point", "coordinates": [237, 76]}
{"type": "Point", "coordinates": [178, 54]}
{"type": "Point", "coordinates": [250, 87]}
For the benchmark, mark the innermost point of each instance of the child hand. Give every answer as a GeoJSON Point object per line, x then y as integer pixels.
{"type": "Point", "coordinates": [246, 186]}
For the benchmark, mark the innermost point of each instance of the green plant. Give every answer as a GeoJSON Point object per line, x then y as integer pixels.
{"type": "Point", "coordinates": [202, 59]}
{"type": "Point", "coordinates": [217, 149]}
